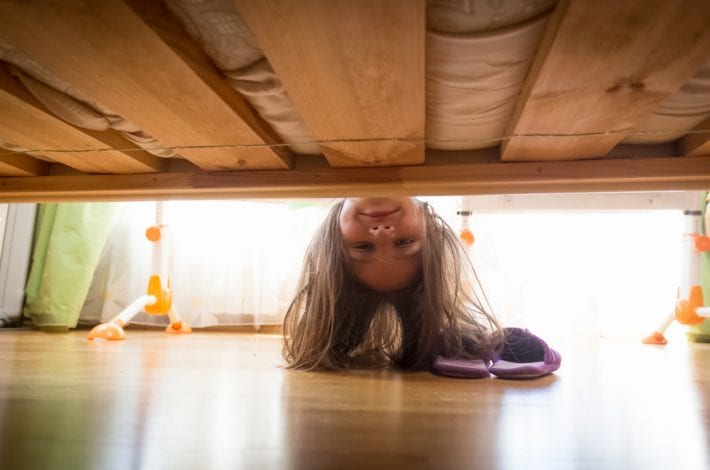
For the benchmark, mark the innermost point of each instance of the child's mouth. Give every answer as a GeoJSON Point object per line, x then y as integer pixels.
{"type": "Point", "coordinates": [379, 213]}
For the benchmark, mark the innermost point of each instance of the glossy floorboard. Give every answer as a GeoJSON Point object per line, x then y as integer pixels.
{"type": "Point", "coordinates": [221, 400]}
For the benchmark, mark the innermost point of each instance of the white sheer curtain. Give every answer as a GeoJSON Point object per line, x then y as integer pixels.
{"type": "Point", "coordinates": [233, 262]}
{"type": "Point", "coordinates": [580, 273]}
{"type": "Point", "coordinates": [572, 273]}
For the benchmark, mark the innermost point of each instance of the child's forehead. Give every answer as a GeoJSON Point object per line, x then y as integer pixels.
{"type": "Point", "coordinates": [387, 275]}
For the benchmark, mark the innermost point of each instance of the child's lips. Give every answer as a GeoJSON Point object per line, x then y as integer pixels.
{"type": "Point", "coordinates": [380, 213]}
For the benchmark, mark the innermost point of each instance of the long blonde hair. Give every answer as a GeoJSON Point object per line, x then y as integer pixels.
{"type": "Point", "coordinates": [334, 322]}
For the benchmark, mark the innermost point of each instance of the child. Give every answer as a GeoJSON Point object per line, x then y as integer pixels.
{"type": "Point", "coordinates": [386, 282]}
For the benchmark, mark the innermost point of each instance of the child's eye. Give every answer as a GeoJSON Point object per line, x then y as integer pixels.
{"type": "Point", "coordinates": [363, 246]}
{"type": "Point", "coordinates": [403, 242]}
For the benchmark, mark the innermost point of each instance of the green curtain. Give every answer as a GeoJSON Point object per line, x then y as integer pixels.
{"type": "Point", "coordinates": [69, 238]}
{"type": "Point", "coordinates": [702, 332]}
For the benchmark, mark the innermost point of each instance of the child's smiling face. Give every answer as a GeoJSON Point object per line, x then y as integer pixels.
{"type": "Point", "coordinates": [383, 240]}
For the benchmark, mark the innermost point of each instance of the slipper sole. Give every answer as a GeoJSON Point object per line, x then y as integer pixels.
{"type": "Point", "coordinates": [524, 356]}
{"type": "Point", "coordinates": [461, 368]}
{"type": "Point", "coordinates": [516, 370]}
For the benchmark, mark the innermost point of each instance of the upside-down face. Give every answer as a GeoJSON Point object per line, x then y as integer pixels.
{"type": "Point", "coordinates": [383, 239]}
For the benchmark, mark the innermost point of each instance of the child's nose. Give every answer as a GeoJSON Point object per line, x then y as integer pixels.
{"type": "Point", "coordinates": [382, 229]}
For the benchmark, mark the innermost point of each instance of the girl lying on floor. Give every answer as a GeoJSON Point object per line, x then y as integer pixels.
{"type": "Point", "coordinates": [386, 282]}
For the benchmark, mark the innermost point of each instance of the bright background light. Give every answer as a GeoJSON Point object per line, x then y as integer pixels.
{"type": "Point", "coordinates": [577, 272]}
{"type": "Point", "coordinates": [581, 273]}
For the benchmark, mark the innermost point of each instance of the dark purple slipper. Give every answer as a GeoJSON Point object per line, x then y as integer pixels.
{"type": "Point", "coordinates": [524, 356]}
{"type": "Point", "coordinates": [461, 368]}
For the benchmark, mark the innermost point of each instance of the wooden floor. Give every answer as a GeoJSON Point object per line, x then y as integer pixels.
{"type": "Point", "coordinates": [222, 400]}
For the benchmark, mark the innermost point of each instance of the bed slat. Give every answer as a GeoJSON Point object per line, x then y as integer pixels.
{"type": "Point", "coordinates": [17, 164]}
{"type": "Point", "coordinates": [108, 52]}
{"type": "Point", "coordinates": [698, 141]}
{"type": "Point", "coordinates": [443, 174]}
{"type": "Point", "coordinates": [601, 67]}
{"type": "Point", "coordinates": [25, 122]}
{"type": "Point", "coordinates": [354, 69]}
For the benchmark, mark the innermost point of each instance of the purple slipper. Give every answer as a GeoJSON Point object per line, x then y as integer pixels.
{"type": "Point", "coordinates": [461, 368]}
{"type": "Point", "coordinates": [524, 356]}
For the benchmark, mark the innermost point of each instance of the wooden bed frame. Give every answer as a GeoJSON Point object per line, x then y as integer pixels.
{"type": "Point", "coordinates": [355, 70]}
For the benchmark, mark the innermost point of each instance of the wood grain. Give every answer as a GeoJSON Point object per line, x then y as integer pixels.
{"type": "Point", "coordinates": [219, 400]}
{"type": "Point", "coordinates": [161, 21]}
{"type": "Point", "coordinates": [17, 164]}
{"type": "Point", "coordinates": [601, 67]}
{"type": "Point", "coordinates": [355, 71]}
{"type": "Point", "coordinates": [698, 141]}
{"type": "Point", "coordinates": [446, 173]}
{"type": "Point", "coordinates": [26, 123]}
{"type": "Point", "coordinates": [108, 52]}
